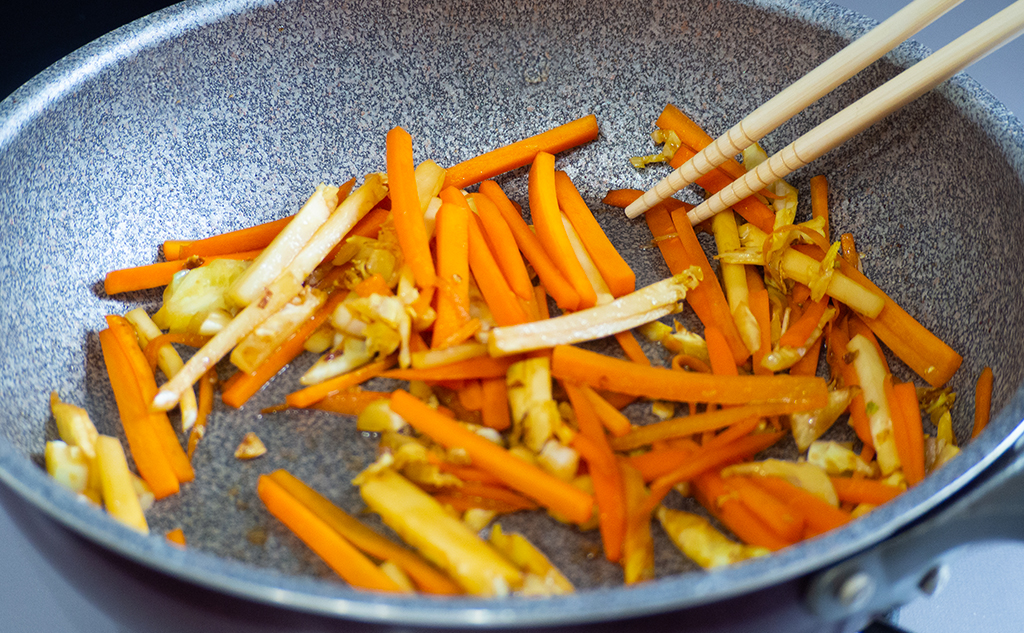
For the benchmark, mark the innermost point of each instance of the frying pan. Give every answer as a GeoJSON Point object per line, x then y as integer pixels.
{"type": "Point", "coordinates": [211, 116]}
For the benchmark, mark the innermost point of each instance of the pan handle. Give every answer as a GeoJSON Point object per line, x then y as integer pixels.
{"type": "Point", "coordinates": [912, 563]}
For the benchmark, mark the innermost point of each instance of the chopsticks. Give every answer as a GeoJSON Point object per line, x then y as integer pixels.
{"type": "Point", "coordinates": [909, 85]}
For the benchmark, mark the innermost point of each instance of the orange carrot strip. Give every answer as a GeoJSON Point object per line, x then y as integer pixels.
{"type": "Point", "coordinates": [172, 248]}
{"type": "Point", "coordinates": [504, 304]}
{"type": "Point", "coordinates": [176, 536]}
{"type": "Point", "coordinates": [465, 473]}
{"type": "Point", "coordinates": [698, 423]}
{"type": "Point", "coordinates": [405, 207]}
{"type": "Point", "coordinates": [521, 153]}
{"type": "Point", "coordinates": [613, 420]}
{"type": "Point", "coordinates": [631, 348]}
{"type": "Point", "coordinates": [662, 460]}
{"type": "Point", "coordinates": [637, 544]}
{"type": "Point", "coordinates": [314, 393]}
{"type": "Point", "coordinates": [422, 573]}
{"type": "Point", "coordinates": [248, 239]}
{"type": "Point", "coordinates": [905, 397]}
{"type": "Point", "coordinates": [207, 384]}
{"type": "Point", "coordinates": [694, 136]}
{"type": "Point", "coordinates": [494, 492]}
{"type": "Point", "coordinates": [604, 372]}
{"type": "Point", "coordinates": [836, 339]}
{"type": "Point", "coordinates": [735, 431]}
{"type": "Point", "coordinates": [156, 275]}
{"type": "Point", "coordinates": [555, 283]}
{"type": "Point", "coordinates": [982, 401]}
{"type": "Point", "coordinates": [808, 363]}
{"type": "Point", "coordinates": [506, 252]}
{"type": "Point", "coordinates": [659, 221]}
{"type": "Point", "coordinates": [352, 401]}
{"type": "Point", "coordinates": [801, 329]}
{"type": "Point", "coordinates": [848, 249]}
{"type": "Point", "coordinates": [547, 220]}
{"type": "Point", "coordinates": [722, 363]}
{"type": "Point", "coordinates": [375, 284]}
{"type": "Point", "coordinates": [819, 201]}
{"type": "Point", "coordinates": [760, 308]}
{"type": "Point", "coordinates": [821, 516]}
{"type": "Point", "coordinates": [717, 312]}
{"type": "Point", "coordinates": [339, 554]}
{"type": "Point", "coordinates": [685, 362]}
{"type": "Point", "coordinates": [152, 350]}
{"type": "Point", "coordinates": [621, 198]}
{"type": "Point", "coordinates": [776, 515]}
{"type": "Point", "coordinates": [613, 268]}
{"type": "Point", "coordinates": [242, 388]}
{"type": "Point", "coordinates": [452, 238]}
{"type": "Point", "coordinates": [479, 367]}
{"type": "Point", "coordinates": [471, 396]}
{"type": "Point", "coordinates": [856, 491]}
{"type": "Point", "coordinates": [150, 460]}
{"type": "Point", "coordinates": [495, 412]}
{"type": "Point", "coordinates": [551, 492]}
{"type": "Point", "coordinates": [711, 492]}
{"type": "Point", "coordinates": [145, 381]}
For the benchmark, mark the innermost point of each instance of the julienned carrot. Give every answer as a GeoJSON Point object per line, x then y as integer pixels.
{"type": "Point", "coordinates": [158, 274]}
{"type": "Point", "coordinates": [352, 401]}
{"type": "Point", "coordinates": [659, 383]}
{"type": "Point", "coordinates": [405, 207]}
{"type": "Point", "coordinates": [722, 363]}
{"type": "Point", "coordinates": [547, 220]}
{"type": "Point", "coordinates": [152, 351]}
{"type": "Point", "coordinates": [522, 152]}
{"type": "Point", "coordinates": [659, 221]}
{"type": "Point", "coordinates": [551, 492]}
{"type": "Point", "coordinates": [819, 201]}
{"type": "Point", "coordinates": [339, 554]}
{"type": "Point", "coordinates": [801, 330]}
{"type": "Point", "coordinates": [498, 296]}
{"type": "Point", "coordinates": [207, 385]}
{"type": "Point", "coordinates": [479, 367]}
{"type": "Point", "coordinates": [836, 339]}
{"type": "Point", "coordinates": [314, 393]}
{"type": "Point", "coordinates": [821, 516]}
{"type": "Point", "coordinates": [608, 486]}
{"type": "Point", "coordinates": [848, 249]}
{"type": "Point", "coordinates": [694, 136]}
{"type": "Point", "coordinates": [471, 395]}
{"type": "Point", "coordinates": [452, 239]}
{"type": "Point", "coordinates": [698, 423]}
{"type": "Point", "coordinates": [904, 398]}
{"type": "Point", "coordinates": [856, 491]}
{"type": "Point", "coordinates": [716, 312]}
{"type": "Point", "coordinates": [172, 248]}
{"type": "Point", "coordinates": [613, 268]}
{"type": "Point", "coordinates": [808, 363]}
{"type": "Point", "coordinates": [495, 413]}
{"type": "Point", "coordinates": [506, 252]}
{"type": "Point", "coordinates": [731, 434]}
{"type": "Point", "coordinates": [145, 381]}
{"type": "Point", "coordinates": [982, 401]}
{"type": "Point", "coordinates": [426, 577]}
{"type": "Point", "coordinates": [494, 492]}
{"type": "Point", "coordinates": [143, 443]}
{"type": "Point", "coordinates": [711, 492]}
{"type": "Point", "coordinates": [760, 307]}
{"type": "Point", "coordinates": [247, 239]}
{"type": "Point", "coordinates": [632, 349]}
{"type": "Point", "coordinates": [662, 460]}
{"type": "Point", "coordinates": [242, 388]}
{"type": "Point", "coordinates": [551, 277]}
{"type": "Point", "coordinates": [621, 198]}
{"type": "Point", "coordinates": [775, 514]}
{"type": "Point", "coordinates": [637, 543]}
{"type": "Point", "coordinates": [613, 420]}
{"type": "Point", "coordinates": [375, 284]}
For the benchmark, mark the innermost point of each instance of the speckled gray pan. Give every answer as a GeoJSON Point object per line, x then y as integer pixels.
{"type": "Point", "coordinates": [213, 116]}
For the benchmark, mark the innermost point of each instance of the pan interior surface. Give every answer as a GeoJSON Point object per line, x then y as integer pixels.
{"type": "Point", "coordinates": [208, 117]}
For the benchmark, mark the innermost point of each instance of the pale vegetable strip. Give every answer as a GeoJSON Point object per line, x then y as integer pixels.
{"type": "Point", "coordinates": [871, 372]}
{"type": "Point", "coordinates": [158, 274]}
{"type": "Point", "coordinates": [518, 474]}
{"type": "Point", "coordinates": [426, 577]}
{"type": "Point", "coordinates": [340, 555]}
{"type": "Point", "coordinates": [119, 496]}
{"type": "Point", "coordinates": [168, 360]}
{"type": "Point", "coordinates": [405, 207]}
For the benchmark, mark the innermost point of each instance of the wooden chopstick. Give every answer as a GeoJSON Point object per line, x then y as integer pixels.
{"type": "Point", "coordinates": [890, 96]}
{"type": "Point", "coordinates": [794, 99]}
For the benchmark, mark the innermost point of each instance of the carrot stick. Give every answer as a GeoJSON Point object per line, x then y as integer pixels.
{"type": "Point", "coordinates": [662, 460]}
{"type": "Point", "coordinates": [856, 491]}
{"type": "Point", "coordinates": [717, 312]}
{"type": "Point", "coordinates": [698, 423]}
{"type": "Point", "coordinates": [615, 271]}
{"type": "Point", "coordinates": [452, 238]}
{"type": "Point", "coordinates": [905, 398]}
{"type": "Point", "coordinates": [694, 136]}
{"type": "Point", "coordinates": [821, 516]}
{"type": "Point", "coordinates": [551, 277]}
{"type": "Point", "coordinates": [145, 381]}
{"type": "Point", "coordinates": [801, 329]}
{"type": "Point", "coordinates": [760, 308]}
{"type": "Point", "coordinates": [659, 221]}
{"type": "Point", "coordinates": [495, 412]}
{"type": "Point", "coordinates": [248, 239]}
{"type": "Point", "coordinates": [551, 492]}
{"type": "Point", "coordinates": [982, 401]}
{"type": "Point", "coordinates": [426, 577]}
{"type": "Point", "coordinates": [711, 492]}
{"type": "Point", "coordinates": [158, 274]}
{"type": "Point", "coordinates": [547, 220]}
{"type": "Point", "coordinates": [506, 252]}
{"type": "Point", "coordinates": [808, 363]}
{"type": "Point", "coordinates": [660, 383]}
{"type": "Point", "coordinates": [375, 284]}
{"type": "Point", "coordinates": [631, 348]}
{"type": "Point", "coordinates": [405, 207]}
{"type": "Point", "coordinates": [621, 198]}
{"type": "Point", "coordinates": [848, 249]}
{"type": "Point", "coordinates": [352, 401]}
{"type": "Point", "coordinates": [172, 248]}
{"type": "Point", "coordinates": [819, 201]}
{"type": "Point", "coordinates": [242, 388]}
{"type": "Point", "coordinates": [152, 351]}
{"type": "Point", "coordinates": [148, 455]}
{"type": "Point", "coordinates": [521, 153]}
{"type": "Point", "coordinates": [339, 554]}
{"type": "Point", "coordinates": [314, 393]}
{"type": "Point", "coordinates": [837, 339]}
{"type": "Point", "coordinates": [637, 543]}
{"type": "Point", "coordinates": [478, 367]}
{"type": "Point", "coordinates": [735, 431]}
{"type": "Point", "coordinates": [613, 420]}
{"type": "Point", "coordinates": [498, 296]}
{"type": "Point", "coordinates": [722, 363]}
{"type": "Point", "coordinates": [471, 395]}
{"type": "Point", "coordinates": [207, 384]}
{"type": "Point", "coordinates": [776, 515]}
{"type": "Point", "coordinates": [495, 492]}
